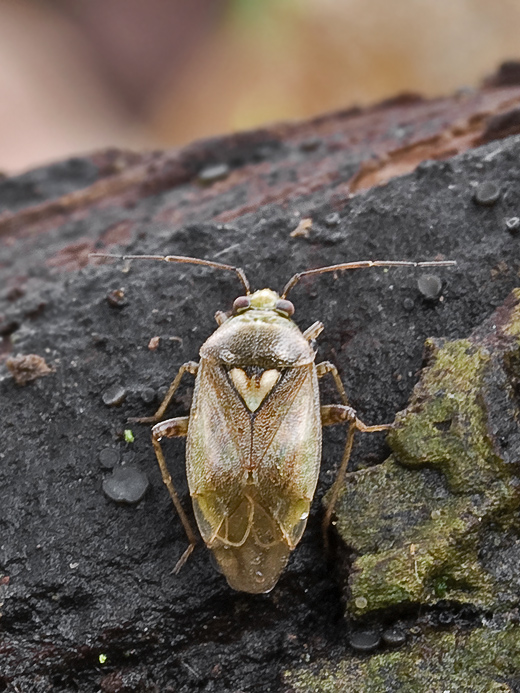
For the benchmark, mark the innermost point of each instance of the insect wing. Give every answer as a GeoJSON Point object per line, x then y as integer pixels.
{"type": "Point", "coordinates": [286, 450]}
{"type": "Point", "coordinates": [252, 475]}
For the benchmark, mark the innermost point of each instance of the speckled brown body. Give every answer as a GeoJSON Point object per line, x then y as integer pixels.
{"type": "Point", "coordinates": [252, 474]}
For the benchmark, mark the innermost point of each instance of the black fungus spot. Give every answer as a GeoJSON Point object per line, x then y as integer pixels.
{"type": "Point", "coordinates": [365, 640]}
{"type": "Point", "coordinates": [108, 458]}
{"type": "Point", "coordinates": [126, 484]}
{"type": "Point", "coordinates": [394, 637]}
{"type": "Point", "coordinates": [486, 193]}
{"type": "Point", "coordinates": [430, 286]}
{"type": "Point", "coordinates": [114, 396]}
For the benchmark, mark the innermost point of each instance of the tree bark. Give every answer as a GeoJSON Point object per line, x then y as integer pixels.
{"type": "Point", "coordinates": [89, 599]}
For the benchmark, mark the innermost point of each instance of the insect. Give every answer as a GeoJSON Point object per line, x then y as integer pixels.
{"type": "Point", "coordinates": [253, 433]}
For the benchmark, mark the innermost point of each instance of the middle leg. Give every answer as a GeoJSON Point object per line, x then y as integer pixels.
{"type": "Point", "coordinates": [189, 367]}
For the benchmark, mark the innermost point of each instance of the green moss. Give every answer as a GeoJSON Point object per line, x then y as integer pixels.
{"type": "Point", "coordinates": [445, 426]}
{"type": "Point", "coordinates": [482, 661]}
{"type": "Point", "coordinates": [416, 522]}
{"type": "Point", "coordinates": [512, 326]}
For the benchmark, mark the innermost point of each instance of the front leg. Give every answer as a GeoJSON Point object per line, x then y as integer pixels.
{"type": "Point", "coordinates": [328, 367]}
{"type": "Point", "coordinates": [174, 428]}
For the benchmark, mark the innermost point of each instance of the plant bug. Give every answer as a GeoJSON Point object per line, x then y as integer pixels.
{"type": "Point", "coordinates": [253, 447]}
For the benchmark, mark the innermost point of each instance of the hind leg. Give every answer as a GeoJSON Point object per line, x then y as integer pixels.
{"type": "Point", "coordinates": [334, 414]}
{"type": "Point", "coordinates": [174, 428]}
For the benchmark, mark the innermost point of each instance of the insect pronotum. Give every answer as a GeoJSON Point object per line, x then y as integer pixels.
{"type": "Point", "coordinates": [253, 447]}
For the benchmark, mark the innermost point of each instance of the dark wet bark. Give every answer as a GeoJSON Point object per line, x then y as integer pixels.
{"type": "Point", "coordinates": [82, 577]}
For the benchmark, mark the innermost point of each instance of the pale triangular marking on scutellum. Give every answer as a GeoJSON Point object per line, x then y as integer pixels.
{"type": "Point", "coordinates": [254, 389]}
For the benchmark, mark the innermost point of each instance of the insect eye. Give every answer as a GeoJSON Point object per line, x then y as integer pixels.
{"type": "Point", "coordinates": [240, 303]}
{"type": "Point", "coordinates": [285, 306]}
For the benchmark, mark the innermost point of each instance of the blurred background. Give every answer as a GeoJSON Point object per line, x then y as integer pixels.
{"type": "Point", "coordinates": [76, 75]}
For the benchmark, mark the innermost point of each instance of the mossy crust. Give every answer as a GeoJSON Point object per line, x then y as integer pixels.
{"type": "Point", "coordinates": [483, 661]}
{"type": "Point", "coordinates": [417, 523]}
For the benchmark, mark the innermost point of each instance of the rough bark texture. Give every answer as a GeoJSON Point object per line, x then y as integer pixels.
{"type": "Point", "coordinates": [89, 599]}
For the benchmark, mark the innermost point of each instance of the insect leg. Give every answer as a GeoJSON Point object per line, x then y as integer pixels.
{"type": "Point", "coordinates": [328, 367]}
{"type": "Point", "coordinates": [174, 428]}
{"type": "Point", "coordinates": [221, 317]}
{"type": "Point", "coordinates": [340, 413]}
{"type": "Point", "coordinates": [313, 331]}
{"type": "Point", "coordinates": [190, 367]}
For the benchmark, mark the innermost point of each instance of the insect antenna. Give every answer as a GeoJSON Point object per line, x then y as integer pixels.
{"type": "Point", "coordinates": [183, 259]}
{"type": "Point", "coordinates": [362, 263]}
